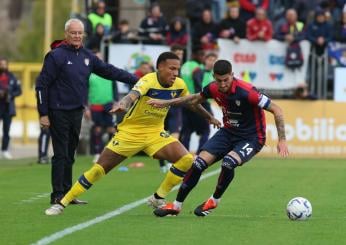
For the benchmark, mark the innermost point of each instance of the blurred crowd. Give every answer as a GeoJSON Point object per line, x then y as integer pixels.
{"type": "Point", "coordinates": [207, 20]}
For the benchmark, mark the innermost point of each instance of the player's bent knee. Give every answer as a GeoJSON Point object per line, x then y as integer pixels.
{"type": "Point", "coordinates": [184, 163]}
{"type": "Point", "coordinates": [230, 162]}
{"type": "Point", "coordinates": [200, 164]}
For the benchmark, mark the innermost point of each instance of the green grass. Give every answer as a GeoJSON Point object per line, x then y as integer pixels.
{"type": "Point", "coordinates": [252, 210]}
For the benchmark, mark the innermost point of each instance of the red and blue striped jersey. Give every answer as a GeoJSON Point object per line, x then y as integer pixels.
{"type": "Point", "coordinates": [242, 107]}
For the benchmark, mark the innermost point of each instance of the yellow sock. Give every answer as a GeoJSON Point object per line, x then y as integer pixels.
{"type": "Point", "coordinates": [175, 175]}
{"type": "Point", "coordinates": [168, 183]}
{"type": "Point", "coordinates": [84, 182]}
{"type": "Point", "coordinates": [76, 190]}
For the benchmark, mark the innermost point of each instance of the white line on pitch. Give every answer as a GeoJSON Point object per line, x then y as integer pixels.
{"type": "Point", "coordinates": [60, 234]}
{"type": "Point", "coordinates": [34, 198]}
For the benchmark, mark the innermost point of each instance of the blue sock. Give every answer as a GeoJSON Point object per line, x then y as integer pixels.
{"type": "Point", "coordinates": [226, 176]}
{"type": "Point", "coordinates": [191, 178]}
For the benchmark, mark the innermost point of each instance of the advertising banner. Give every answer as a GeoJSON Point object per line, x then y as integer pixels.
{"type": "Point", "coordinates": [263, 63]}
{"type": "Point", "coordinates": [130, 56]}
{"type": "Point", "coordinates": [314, 129]}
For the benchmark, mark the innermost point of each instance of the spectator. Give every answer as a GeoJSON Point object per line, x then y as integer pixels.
{"type": "Point", "coordinates": [190, 66]}
{"type": "Point", "coordinates": [177, 33]}
{"type": "Point", "coordinates": [94, 42]}
{"type": "Point", "coordinates": [206, 75]}
{"type": "Point", "coordinates": [195, 8]}
{"type": "Point", "coordinates": [99, 16]}
{"type": "Point", "coordinates": [339, 30]}
{"type": "Point", "coordinates": [331, 10]}
{"type": "Point", "coordinates": [292, 29]}
{"type": "Point", "coordinates": [143, 69]}
{"type": "Point", "coordinates": [204, 33]}
{"type": "Point", "coordinates": [154, 27]}
{"type": "Point", "coordinates": [9, 89]}
{"type": "Point", "coordinates": [302, 93]}
{"type": "Point", "coordinates": [291, 32]}
{"type": "Point", "coordinates": [123, 34]}
{"type": "Point", "coordinates": [232, 27]}
{"type": "Point", "coordinates": [248, 8]}
{"type": "Point", "coordinates": [319, 32]}
{"type": "Point", "coordinates": [259, 28]}
{"type": "Point", "coordinates": [61, 90]}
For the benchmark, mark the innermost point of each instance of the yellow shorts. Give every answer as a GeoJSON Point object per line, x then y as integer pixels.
{"type": "Point", "coordinates": [128, 144]}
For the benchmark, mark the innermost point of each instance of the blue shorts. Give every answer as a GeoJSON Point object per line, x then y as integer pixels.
{"type": "Point", "coordinates": [103, 118]}
{"type": "Point", "coordinates": [224, 141]}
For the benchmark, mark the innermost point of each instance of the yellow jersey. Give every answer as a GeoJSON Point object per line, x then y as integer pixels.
{"type": "Point", "coordinates": [143, 118]}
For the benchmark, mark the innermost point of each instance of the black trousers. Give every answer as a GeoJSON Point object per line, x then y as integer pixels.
{"type": "Point", "coordinates": [6, 125]}
{"type": "Point", "coordinates": [65, 127]}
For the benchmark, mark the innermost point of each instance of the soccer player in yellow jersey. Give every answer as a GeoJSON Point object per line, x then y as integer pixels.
{"type": "Point", "coordinates": [142, 129]}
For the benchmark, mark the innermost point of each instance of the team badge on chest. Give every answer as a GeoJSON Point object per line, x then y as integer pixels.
{"type": "Point", "coordinates": [86, 61]}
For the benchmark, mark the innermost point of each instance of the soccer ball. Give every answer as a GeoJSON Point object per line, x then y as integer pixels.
{"type": "Point", "coordinates": [299, 208]}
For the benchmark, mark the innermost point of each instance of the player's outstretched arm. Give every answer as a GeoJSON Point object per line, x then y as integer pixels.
{"type": "Point", "coordinates": [125, 103]}
{"type": "Point", "coordinates": [192, 99]}
{"type": "Point", "coordinates": [192, 102]}
{"type": "Point", "coordinates": [280, 127]}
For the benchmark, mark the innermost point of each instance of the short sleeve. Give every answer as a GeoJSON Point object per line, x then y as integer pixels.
{"type": "Point", "coordinates": [206, 92]}
{"type": "Point", "coordinates": [142, 86]}
{"type": "Point", "coordinates": [259, 99]}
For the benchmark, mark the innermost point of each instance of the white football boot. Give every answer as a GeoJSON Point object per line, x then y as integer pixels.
{"type": "Point", "coordinates": [55, 209]}
{"type": "Point", "coordinates": [155, 203]}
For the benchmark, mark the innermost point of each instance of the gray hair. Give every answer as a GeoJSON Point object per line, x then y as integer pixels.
{"type": "Point", "coordinates": [68, 23]}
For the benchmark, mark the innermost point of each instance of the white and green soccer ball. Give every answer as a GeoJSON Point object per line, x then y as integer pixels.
{"type": "Point", "coordinates": [299, 208]}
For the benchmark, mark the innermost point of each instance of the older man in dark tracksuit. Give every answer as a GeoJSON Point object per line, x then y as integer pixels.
{"type": "Point", "coordinates": [61, 90]}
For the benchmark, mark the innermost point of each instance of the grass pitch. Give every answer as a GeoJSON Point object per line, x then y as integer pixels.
{"type": "Point", "coordinates": [252, 210]}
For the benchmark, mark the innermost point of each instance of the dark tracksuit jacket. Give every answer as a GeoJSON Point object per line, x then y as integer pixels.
{"type": "Point", "coordinates": [63, 81]}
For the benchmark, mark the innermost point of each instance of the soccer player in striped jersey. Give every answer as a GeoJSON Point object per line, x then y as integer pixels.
{"type": "Point", "coordinates": [241, 138]}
